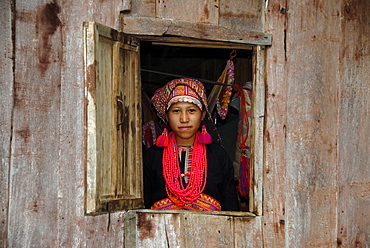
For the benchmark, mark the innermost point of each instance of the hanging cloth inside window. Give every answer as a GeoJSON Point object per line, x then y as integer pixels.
{"type": "Point", "coordinates": [151, 126]}
{"type": "Point", "coordinates": [242, 152]}
{"type": "Point", "coordinates": [220, 95]}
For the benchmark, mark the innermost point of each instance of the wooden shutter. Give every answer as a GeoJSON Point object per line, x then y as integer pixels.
{"type": "Point", "coordinates": [113, 120]}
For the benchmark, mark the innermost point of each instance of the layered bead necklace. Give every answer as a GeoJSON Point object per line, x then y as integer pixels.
{"type": "Point", "coordinates": [179, 193]}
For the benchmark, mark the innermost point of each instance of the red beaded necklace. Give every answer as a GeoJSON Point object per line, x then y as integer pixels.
{"type": "Point", "coordinates": [179, 193]}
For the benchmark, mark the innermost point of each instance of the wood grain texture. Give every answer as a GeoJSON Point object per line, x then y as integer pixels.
{"type": "Point", "coordinates": [86, 231]}
{"type": "Point", "coordinates": [102, 231]}
{"type": "Point", "coordinates": [165, 27]}
{"type": "Point", "coordinates": [207, 231]}
{"type": "Point", "coordinates": [6, 109]}
{"type": "Point", "coordinates": [354, 127]}
{"type": "Point", "coordinates": [113, 120]}
{"type": "Point", "coordinates": [184, 230]}
{"type": "Point", "coordinates": [161, 230]}
{"type": "Point", "coordinates": [150, 228]}
{"type": "Point", "coordinates": [316, 157]}
{"type": "Point", "coordinates": [206, 11]}
{"type": "Point", "coordinates": [312, 54]}
{"type": "Point", "coordinates": [237, 14]}
{"type": "Point", "coordinates": [146, 8]}
{"type": "Point", "coordinates": [275, 125]}
{"type": "Point", "coordinates": [33, 179]}
{"type": "Point", "coordinates": [126, 5]}
{"type": "Point", "coordinates": [257, 127]}
{"type": "Point", "coordinates": [248, 232]}
{"type": "Point", "coordinates": [242, 14]}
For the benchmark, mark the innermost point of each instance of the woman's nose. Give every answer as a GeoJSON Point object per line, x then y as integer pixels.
{"type": "Point", "coordinates": [184, 117]}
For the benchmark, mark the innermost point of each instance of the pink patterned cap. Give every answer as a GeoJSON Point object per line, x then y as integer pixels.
{"type": "Point", "coordinates": [179, 90]}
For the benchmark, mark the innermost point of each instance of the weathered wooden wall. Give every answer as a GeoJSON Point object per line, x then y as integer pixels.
{"type": "Point", "coordinates": [243, 14]}
{"type": "Point", "coordinates": [6, 103]}
{"type": "Point", "coordinates": [42, 147]}
{"type": "Point", "coordinates": [353, 126]}
{"type": "Point", "coordinates": [317, 179]}
{"type": "Point", "coordinates": [317, 151]}
{"type": "Point", "coordinates": [310, 86]}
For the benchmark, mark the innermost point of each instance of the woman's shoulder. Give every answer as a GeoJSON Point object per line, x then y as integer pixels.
{"type": "Point", "coordinates": [153, 148]}
{"type": "Point", "coordinates": [152, 151]}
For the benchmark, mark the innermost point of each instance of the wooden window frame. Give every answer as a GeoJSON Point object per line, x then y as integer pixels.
{"type": "Point", "coordinates": [258, 113]}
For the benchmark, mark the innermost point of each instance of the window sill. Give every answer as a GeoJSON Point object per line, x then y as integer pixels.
{"type": "Point", "coordinates": [222, 213]}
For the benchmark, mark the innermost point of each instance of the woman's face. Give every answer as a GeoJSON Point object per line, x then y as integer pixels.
{"type": "Point", "coordinates": [184, 119]}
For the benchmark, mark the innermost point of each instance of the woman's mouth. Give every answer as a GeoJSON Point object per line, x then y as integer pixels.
{"type": "Point", "coordinates": [185, 128]}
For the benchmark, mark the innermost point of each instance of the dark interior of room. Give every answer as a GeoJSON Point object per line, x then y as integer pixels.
{"type": "Point", "coordinates": [169, 62]}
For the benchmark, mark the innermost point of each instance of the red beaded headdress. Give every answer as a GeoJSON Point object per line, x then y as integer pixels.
{"type": "Point", "coordinates": [179, 90]}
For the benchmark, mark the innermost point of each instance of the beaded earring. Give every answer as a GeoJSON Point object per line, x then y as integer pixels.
{"type": "Point", "coordinates": [162, 140]}
{"type": "Point", "coordinates": [204, 136]}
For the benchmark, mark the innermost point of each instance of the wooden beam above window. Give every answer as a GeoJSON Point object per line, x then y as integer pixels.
{"type": "Point", "coordinates": [174, 29]}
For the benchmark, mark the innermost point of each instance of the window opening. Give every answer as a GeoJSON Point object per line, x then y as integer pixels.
{"type": "Point", "coordinates": [114, 104]}
{"type": "Point", "coordinates": [160, 64]}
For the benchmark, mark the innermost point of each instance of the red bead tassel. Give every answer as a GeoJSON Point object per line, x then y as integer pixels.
{"type": "Point", "coordinates": [162, 140]}
{"type": "Point", "coordinates": [204, 136]}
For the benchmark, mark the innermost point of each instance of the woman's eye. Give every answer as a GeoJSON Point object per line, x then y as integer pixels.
{"type": "Point", "coordinates": [192, 110]}
{"type": "Point", "coordinates": [175, 111]}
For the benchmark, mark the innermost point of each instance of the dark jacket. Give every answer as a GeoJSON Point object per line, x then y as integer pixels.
{"type": "Point", "coordinates": [220, 184]}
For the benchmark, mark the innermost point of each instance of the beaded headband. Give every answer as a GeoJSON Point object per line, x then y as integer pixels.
{"type": "Point", "coordinates": [179, 90]}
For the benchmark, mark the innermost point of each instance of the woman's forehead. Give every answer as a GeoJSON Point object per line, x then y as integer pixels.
{"type": "Point", "coordinates": [184, 105]}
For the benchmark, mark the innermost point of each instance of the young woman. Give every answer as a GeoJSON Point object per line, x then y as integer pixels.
{"type": "Point", "coordinates": [185, 170]}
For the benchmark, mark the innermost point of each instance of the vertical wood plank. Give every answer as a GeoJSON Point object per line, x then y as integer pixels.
{"type": "Point", "coordinates": [354, 127]}
{"type": "Point", "coordinates": [258, 119]}
{"type": "Point", "coordinates": [74, 228]}
{"type": "Point", "coordinates": [135, 79]}
{"type": "Point", "coordinates": [312, 50]}
{"type": "Point", "coordinates": [130, 229]}
{"type": "Point", "coordinates": [6, 109]}
{"type": "Point", "coordinates": [131, 86]}
{"type": "Point", "coordinates": [89, 115]}
{"type": "Point", "coordinates": [118, 118]}
{"type": "Point", "coordinates": [105, 126]}
{"type": "Point", "coordinates": [33, 179]}
{"type": "Point", "coordinates": [274, 137]}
